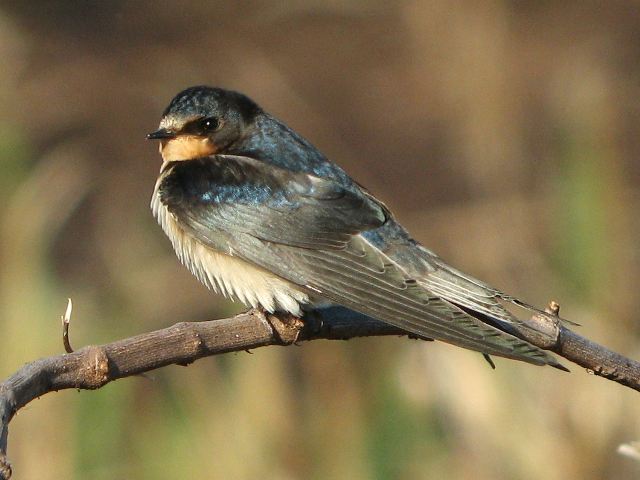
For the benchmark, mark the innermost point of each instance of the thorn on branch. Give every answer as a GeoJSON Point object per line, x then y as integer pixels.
{"type": "Point", "coordinates": [66, 319]}
{"type": "Point", "coordinates": [553, 308]}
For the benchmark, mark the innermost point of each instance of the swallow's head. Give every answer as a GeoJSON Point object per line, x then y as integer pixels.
{"type": "Point", "coordinates": [202, 121]}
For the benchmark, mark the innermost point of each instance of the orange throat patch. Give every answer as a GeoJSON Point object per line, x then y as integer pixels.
{"type": "Point", "coordinates": [186, 147]}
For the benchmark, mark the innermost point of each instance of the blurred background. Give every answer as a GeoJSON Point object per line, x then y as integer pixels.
{"type": "Point", "coordinates": [503, 134]}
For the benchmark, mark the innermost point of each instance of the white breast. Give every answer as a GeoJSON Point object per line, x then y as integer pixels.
{"type": "Point", "coordinates": [231, 276]}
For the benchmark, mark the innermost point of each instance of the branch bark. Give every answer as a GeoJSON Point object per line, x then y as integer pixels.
{"type": "Point", "coordinates": [94, 366]}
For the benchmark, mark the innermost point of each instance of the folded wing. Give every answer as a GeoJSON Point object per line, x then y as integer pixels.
{"type": "Point", "coordinates": [338, 242]}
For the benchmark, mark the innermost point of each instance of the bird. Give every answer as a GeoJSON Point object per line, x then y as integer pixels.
{"type": "Point", "coordinates": [258, 214]}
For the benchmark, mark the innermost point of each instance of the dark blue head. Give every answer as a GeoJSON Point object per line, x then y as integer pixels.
{"type": "Point", "coordinates": [210, 101]}
{"type": "Point", "coordinates": [202, 121]}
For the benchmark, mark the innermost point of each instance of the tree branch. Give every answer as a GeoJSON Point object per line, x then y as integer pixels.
{"type": "Point", "coordinates": [94, 366]}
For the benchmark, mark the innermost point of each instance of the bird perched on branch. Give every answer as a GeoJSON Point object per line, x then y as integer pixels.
{"type": "Point", "coordinates": [258, 214]}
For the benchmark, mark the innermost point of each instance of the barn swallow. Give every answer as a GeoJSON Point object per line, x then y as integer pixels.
{"type": "Point", "coordinates": [258, 214]}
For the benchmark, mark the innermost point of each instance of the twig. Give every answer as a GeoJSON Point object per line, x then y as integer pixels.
{"type": "Point", "coordinates": [94, 366]}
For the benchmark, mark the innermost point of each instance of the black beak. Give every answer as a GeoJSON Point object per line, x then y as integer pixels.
{"type": "Point", "coordinates": [161, 134]}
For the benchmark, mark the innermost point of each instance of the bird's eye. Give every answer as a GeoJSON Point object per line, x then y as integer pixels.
{"type": "Point", "coordinates": [209, 124]}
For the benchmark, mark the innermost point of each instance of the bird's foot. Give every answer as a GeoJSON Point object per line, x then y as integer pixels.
{"type": "Point", "coordinates": [286, 326]}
